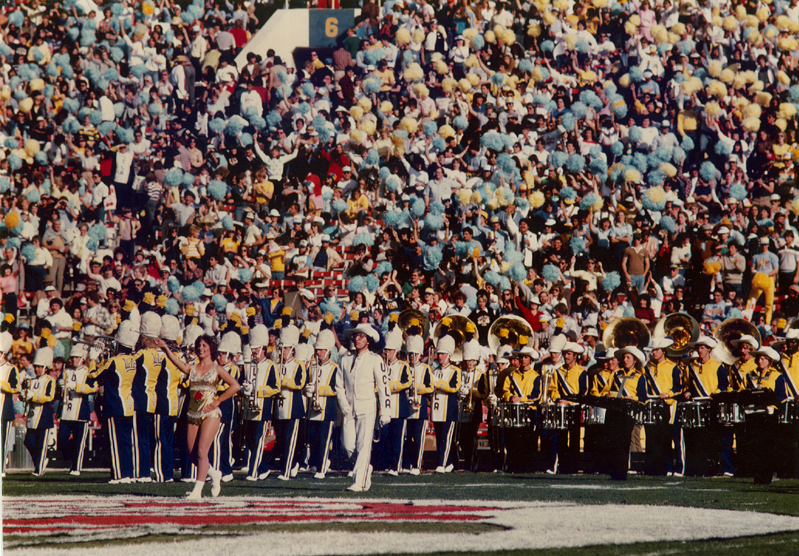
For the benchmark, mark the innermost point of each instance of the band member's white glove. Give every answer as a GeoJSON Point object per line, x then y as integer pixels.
{"type": "Point", "coordinates": [384, 420]}
{"type": "Point", "coordinates": [246, 389]}
{"type": "Point", "coordinates": [61, 383]}
{"type": "Point", "coordinates": [492, 400]}
{"type": "Point", "coordinates": [309, 390]}
{"type": "Point", "coordinates": [463, 392]}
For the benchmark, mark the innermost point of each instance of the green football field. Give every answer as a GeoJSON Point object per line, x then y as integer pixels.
{"type": "Point", "coordinates": [588, 496]}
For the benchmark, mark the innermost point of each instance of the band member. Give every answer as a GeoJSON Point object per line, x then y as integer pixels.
{"type": "Point", "coordinates": [322, 390]}
{"type": "Point", "coordinates": [496, 438]}
{"type": "Point", "coordinates": [399, 380]}
{"type": "Point", "coordinates": [596, 441]}
{"type": "Point", "coordinates": [291, 403]}
{"type": "Point", "coordinates": [523, 386]}
{"type": "Point", "coordinates": [421, 386]}
{"type": "Point", "coordinates": [148, 365]}
{"type": "Point", "coordinates": [473, 391]}
{"type": "Point", "coordinates": [116, 379]}
{"type": "Point", "coordinates": [547, 368]}
{"type": "Point", "coordinates": [221, 455]}
{"type": "Point", "coordinates": [627, 384]}
{"type": "Point", "coordinates": [167, 387]}
{"type": "Point", "coordinates": [262, 384]}
{"type": "Point", "coordinates": [447, 379]}
{"type": "Point", "coordinates": [76, 385]}
{"type": "Point", "coordinates": [571, 380]}
{"type": "Point", "coordinates": [789, 345]}
{"type": "Point", "coordinates": [662, 385]}
{"type": "Point", "coordinates": [759, 442]}
{"type": "Point", "coordinates": [706, 376]}
{"type": "Point", "coordinates": [787, 389]}
{"type": "Point", "coordinates": [9, 385]}
{"type": "Point", "coordinates": [745, 346]}
{"type": "Point", "coordinates": [364, 373]}
{"type": "Point", "coordinates": [38, 395]}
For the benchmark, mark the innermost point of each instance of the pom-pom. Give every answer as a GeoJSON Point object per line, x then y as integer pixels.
{"type": "Point", "coordinates": [707, 171]}
{"type": "Point", "coordinates": [668, 224]}
{"type": "Point", "coordinates": [611, 281]}
{"type": "Point", "coordinates": [174, 177]}
{"type": "Point", "coordinates": [568, 122]}
{"type": "Point", "coordinates": [28, 252]}
{"type": "Point", "coordinates": [245, 274]}
{"type": "Point", "coordinates": [384, 268]}
{"type": "Point", "coordinates": [575, 163]}
{"type": "Point", "coordinates": [558, 159]}
{"type": "Point", "coordinates": [537, 199]}
{"type": "Point", "coordinates": [372, 282]}
{"type": "Point", "coordinates": [217, 189]}
{"type": "Point", "coordinates": [723, 148]}
{"type": "Point", "coordinates": [393, 183]}
{"type": "Point", "coordinates": [654, 198]}
{"type": "Point", "coordinates": [687, 143]}
{"type": "Point", "coordinates": [356, 284]}
{"type": "Point", "coordinates": [217, 125]}
{"type": "Point", "coordinates": [738, 192]}
{"type": "Point", "coordinates": [363, 239]}
{"type": "Point", "coordinates": [227, 223]}
{"type": "Point", "coordinates": [577, 245]}
{"type": "Point", "coordinates": [462, 123]}
{"type": "Point", "coordinates": [551, 273]}
{"type": "Point", "coordinates": [418, 208]}
{"type": "Point", "coordinates": [711, 267]}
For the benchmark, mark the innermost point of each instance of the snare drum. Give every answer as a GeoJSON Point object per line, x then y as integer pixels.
{"type": "Point", "coordinates": [789, 413]}
{"type": "Point", "coordinates": [593, 415]}
{"type": "Point", "coordinates": [694, 415]}
{"type": "Point", "coordinates": [729, 414]}
{"type": "Point", "coordinates": [516, 416]}
{"type": "Point", "coordinates": [559, 417]}
{"type": "Point", "coordinates": [655, 412]}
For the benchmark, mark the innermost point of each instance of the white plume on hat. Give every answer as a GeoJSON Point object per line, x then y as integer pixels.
{"type": "Point", "coordinates": [326, 340]}
{"type": "Point", "coordinates": [150, 325]}
{"type": "Point", "coordinates": [394, 339]}
{"type": "Point", "coordinates": [231, 343]}
{"type": "Point", "coordinates": [43, 357]}
{"type": "Point", "coordinates": [290, 336]}
{"type": "Point", "coordinates": [303, 352]}
{"type": "Point", "coordinates": [79, 350]}
{"type": "Point", "coordinates": [127, 335]}
{"type": "Point", "coordinates": [414, 344]}
{"type": "Point", "coordinates": [170, 328]}
{"type": "Point", "coordinates": [191, 334]}
{"type": "Point", "coordinates": [259, 336]}
{"type": "Point", "coordinates": [471, 350]}
{"type": "Point", "coordinates": [446, 345]}
{"type": "Point", "coordinates": [6, 340]}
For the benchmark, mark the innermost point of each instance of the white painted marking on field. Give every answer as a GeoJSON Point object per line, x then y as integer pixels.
{"type": "Point", "coordinates": [606, 487]}
{"type": "Point", "coordinates": [530, 525]}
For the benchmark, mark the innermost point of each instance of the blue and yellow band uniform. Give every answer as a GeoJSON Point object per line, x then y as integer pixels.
{"type": "Point", "coordinates": [168, 383]}
{"type": "Point", "coordinates": [149, 362]}
{"type": "Point", "coordinates": [266, 388]}
{"type": "Point", "coordinates": [705, 447]}
{"type": "Point", "coordinates": [570, 381]}
{"type": "Point", "coordinates": [116, 378]}
{"type": "Point", "coordinates": [417, 416]}
{"type": "Point", "coordinates": [399, 381]}
{"type": "Point", "coordinates": [444, 413]}
{"type": "Point", "coordinates": [663, 378]}
{"type": "Point", "coordinates": [757, 449]}
{"type": "Point", "coordinates": [222, 446]}
{"type": "Point", "coordinates": [327, 381]}
{"type": "Point", "coordinates": [9, 385]}
{"type": "Point", "coordinates": [40, 396]}
{"type": "Point", "coordinates": [290, 409]}
{"type": "Point", "coordinates": [73, 429]}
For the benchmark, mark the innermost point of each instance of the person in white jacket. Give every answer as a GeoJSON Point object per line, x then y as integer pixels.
{"type": "Point", "coordinates": [364, 373]}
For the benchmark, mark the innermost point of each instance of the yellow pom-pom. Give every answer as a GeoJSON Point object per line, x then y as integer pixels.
{"type": "Point", "coordinates": [365, 103]}
{"type": "Point", "coordinates": [783, 78]}
{"type": "Point", "coordinates": [668, 169]}
{"type": "Point", "coordinates": [286, 311]}
{"type": "Point", "coordinates": [504, 267]}
{"type": "Point", "coordinates": [11, 220]}
{"type": "Point", "coordinates": [781, 123]}
{"type": "Point", "coordinates": [537, 75]}
{"type": "Point", "coordinates": [727, 75]}
{"type": "Point", "coordinates": [357, 136]}
{"type": "Point", "coordinates": [752, 21]}
{"type": "Point", "coordinates": [403, 36]}
{"type": "Point", "coordinates": [465, 85]}
{"type": "Point", "coordinates": [763, 99]}
{"type": "Point", "coordinates": [635, 19]}
{"type": "Point", "coordinates": [787, 110]}
{"type": "Point", "coordinates": [534, 30]}
{"type": "Point", "coordinates": [624, 80]}
{"type": "Point", "coordinates": [368, 126]}
{"type": "Point", "coordinates": [357, 113]}
{"type": "Point", "coordinates": [5, 94]}
{"type": "Point", "coordinates": [409, 124]}
{"type": "Point", "coordinates": [717, 21]}
{"type": "Point", "coordinates": [473, 78]}
{"type": "Point", "coordinates": [751, 124]}
{"type": "Point", "coordinates": [441, 67]}
{"type": "Point", "coordinates": [549, 18]}
{"type": "Point", "coordinates": [492, 204]}
{"type": "Point", "coordinates": [730, 23]}
{"type": "Point", "coordinates": [789, 44]}
{"type": "Point", "coordinates": [490, 37]}
{"type": "Point", "coordinates": [717, 89]}
{"type": "Point", "coordinates": [770, 33]}
{"type": "Point", "coordinates": [678, 28]}
{"type": "Point", "coordinates": [600, 202]}
{"type": "Point", "coordinates": [149, 298]}
{"type": "Point", "coordinates": [740, 13]}
{"type": "Point", "coordinates": [386, 107]}
{"type": "Point", "coordinates": [714, 68]}
{"type": "Point", "coordinates": [757, 39]}
{"type": "Point", "coordinates": [588, 76]}
{"type": "Point", "coordinates": [26, 105]}
{"type": "Point", "coordinates": [674, 38]}
{"type": "Point", "coordinates": [470, 33]}
{"type": "Point", "coordinates": [477, 198]}
{"type": "Point", "coordinates": [471, 62]}
{"type": "Point", "coordinates": [571, 41]}
{"type": "Point", "coordinates": [711, 267]}
{"type": "Point", "coordinates": [434, 114]}
{"type": "Point", "coordinates": [508, 37]}
{"type": "Point", "coordinates": [36, 85]}
{"type": "Point", "coordinates": [464, 196]}
{"type": "Point", "coordinates": [418, 36]}
{"type": "Point", "coordinates": [656, 194]}
{"type": "Point", "coordinates": [762, 281]}
{"type": "Point", "coordinates": [631, 175]}
{"type": "Point", "coordinates": [599, 4]}
{"type": "Point", "coordinates": [448, 84]}
{"type": "Point", "coordinates": [446, 131]}
{"type": "Point", "coordinates": [537, 199]}
{"type": "Point", "coordinates": [421, 90]}
{"type": "Point", "coordinates": [712, 109]}
{"type": "Point", "coordinates": [795, 206]}
{"type": "Point", "coordinates": [413, 73]}
{"type": "Point", "coordinates": [31, 147]}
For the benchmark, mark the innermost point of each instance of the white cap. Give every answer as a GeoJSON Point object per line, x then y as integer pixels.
{"type": "Point", "coordinates": [325, 237]}
{"type": "Point", "coordinates": [231, 343]}
{"type": "Point", "coordinates": [634, 351]}
{"type": "Point", "coordinates": [446, 345]}
{"type": "Point", "coordinates": [170, 328]}
{"type": "Point", "coordinates": [79, 350]}
{"type": "Point", "coordinates": [303, 352]}
{"type": "Point", "coordinates": [127, 335]}
{"type": "Point", "coordinates": [43, 357]}
{"type": "Point", "coordinates": [414, 344]}
{"type": "Point", "coordinates": [661, 342]}
{"type": "Point", "coordinates": [394, 339]}
{"type": "Point", "coordinates": [706, 341]}
{"type": "Point", "coordinates": [150, 325]}
{"type": "Point", "coordinates": [746, 339]}
{"type": "Point", "coordinates": [259, 336]}
{"type": "Point", "coordinates": [290, 336]}
{"type": "Point", "coordinates": [767, 352]}
{"type": "Point", "coordinates": [191, 334]}
{"type": "Point", "coordinates": [363, 328]}
{"type": "Point", "coordinates": [573, 347]}
{"type": "Point", "coordinates": [544, 317]}
{"type": "Point", "coordinates": [591, 332]}
{"type": "Point", "coordinates": [527, 351]}
{"type": "Point", "coordinates": [6, 340]}
{"type": "Point", "coordinates": [325, 340]}
{"type": "Point", "coordinates": [471, 350]}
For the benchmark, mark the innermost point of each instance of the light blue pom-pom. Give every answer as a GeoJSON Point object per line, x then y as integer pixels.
{"type": "Point", "coordinates": [188, 179]}
{"type": "Point", "coordinates": [246, 139]}
{"type": "Point", "coordinates": [71, 126]}
{"type": "Point", "coordinates": [227, 223]}
{"type": "Point", "coordinates": [173, 284]}
{"type": "Point", "coordinates": [492, 140]}
{"type": "Point", "coordinates": [517, 272]}
{"type": "Point", "coordinates": [245, 274]}
{"type": "Point", "coordinates": [492, 278]}
{"type": "Point", "coordinates": [14, 162]}
{"type": "Point", "coordinates": [439, 144]}
{"type": "Point", "coordinates": [220, 302]}
{"type": "Point", "coordinates": [372, 158]}
{"type": "Point", "coordinates": [96, 117]}
{"type": "Point", "coordinates": [577, 245]}
{"type": "Point", "coordinates": [16, 18]}
{"type": "Point", "coordinates": [433, 258]}
{"type": "Point", "coordinates": [384, 268]}
{"type": "Point", "coordinates": [357, 284]}
{"type": "Point", "coordinates": [217, 125]}
{"type": "Point", "coordinates": [504, 284]}
{"type": "Point", "coordinates": [98, 232]}
{"type": "Point", "coordinates": [575, 163]}
{"type": "Point", "coordinates": [28, 252]}
{"type": "Point", "coordinates": [687, 144]}
{"type": "Point", "coordinates": [338, 206]}
{"type": "Point", "coordinates": [460, 122]}
{"type": "Point", "coordinates": [558, 159]}
{"type": "Point", "coordinates": [372, 283]}
{"type": "Point", "coordinates": [217, 189]}
{"type": "Point", "coordinates": [678, 155]}
{"type": "Point", "coordinates": [363, 238]}
{"type": "Point", "coordinates": [308, 89]}
{"type": "Point", "coordinates": [611, 281]}
{"type": "Point", "coordinates": [619, 110]}
{"type": "Point", "coordinates": [34, 196]}
{"type": "Point", "coordinates": [723, 148]}
{"type": "Point", "coordinates": [590, 98]}
{"type": "Point", "coordinates": [598, 167]}
{"type": "Point", "coordinates": [174, 177]}
{"type": "Point", "coordinates": [707, 171]}
{"type": "Point", "coordinates": [506, 163]}
{"type": "Point", "coordinates": [551, 273]}
{"type": "Point", "coordinates": [636, 134]}
{"type": "Point", "coordinates": [636, 74]}
{"type": "Point", "coordinates": [418, 208]}
{"type": "Point", "coordinates": [568, 122]}
{"type": "Point", "coordinates": [668, 224]}
{"type": "Point", "coordinates": [654, 178]}
{"type": "Point", "coordinates": [738, 191]}
{"type": "Point", "coordinates": [191, 294]}
{"type": "Point", "coordinates": [172, 307]}
{"type": "Point", "coordinates": [59, 351]}
{"type": "Point", "coordinates": [617, 148]}
{"type": "Point", "coordinates": [235, 125]}
{"type": "Point", "coordinates": [393, 183]}
{"type": "Point", "coordinates": [430, 128]}
{"type": "Point", "coordinates": [124, 134]}
{"type": "Point", "coordinates": [434, 222]}
{"type": "Point", "coordinates": [547, 46]}
{"type": "Point", "coordinates": [372, 85]}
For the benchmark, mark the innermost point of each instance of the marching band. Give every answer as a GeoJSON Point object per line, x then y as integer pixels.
{"type": "Point", "coordinates": [361, 401]}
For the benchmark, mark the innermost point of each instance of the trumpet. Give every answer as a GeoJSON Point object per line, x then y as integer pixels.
{"type": "Point", "coordinates": [316, 372]}
{"type": "Point", "coordinates": [279, 348]}
{"type": "Point", "coordinates": [413, 393]}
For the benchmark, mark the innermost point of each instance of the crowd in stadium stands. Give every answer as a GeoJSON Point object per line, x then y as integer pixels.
{"type": "Point", "coordinates": [568, 162]}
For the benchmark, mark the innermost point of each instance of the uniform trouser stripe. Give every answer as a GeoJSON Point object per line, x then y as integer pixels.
{"type": "Point", "coordinates": [326, 449]}
{"type": "Point", "coordinates": [81, 446]}
{"type": "Point", "coordinates": [450, 434]}
{"type": "Point", "coordinates": [116, 472]}
{"type": "Point", "coordinates": [402, 444]}
{"type": "Point", "coordinates": [158, 449]}
{"type": "Point", "coordinates": [7, 426]}
{"type": "Point", "coordinates": [257, 451]}
{"type": "Point", "coordinates": [291, 447]}
{"type": "Point", "coordinates": [135, 445]}
{"type": "Point", "coordinates": [216, 448]}
{"type": "Point", "coordinates": [43, 440]}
